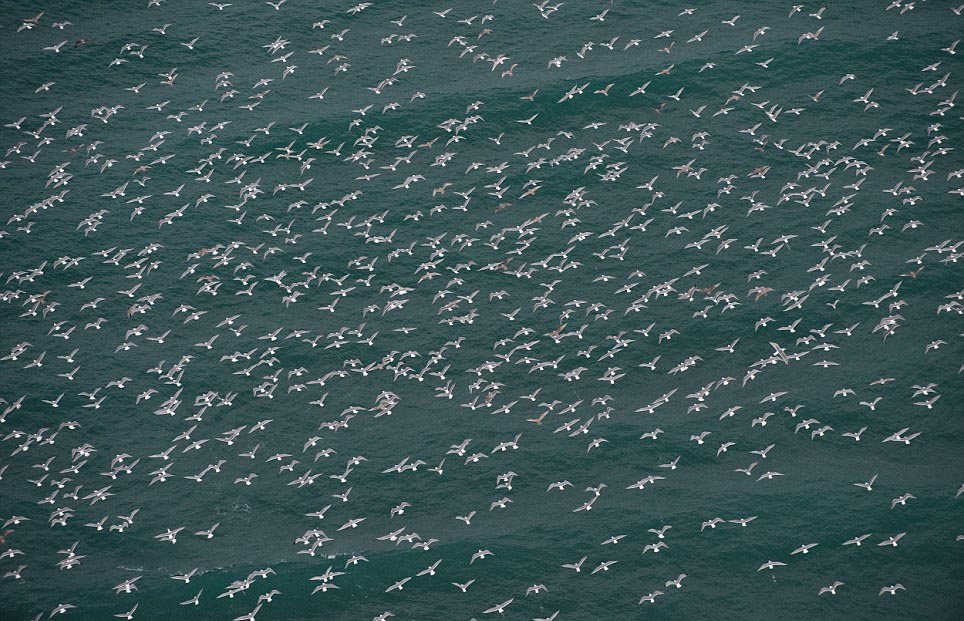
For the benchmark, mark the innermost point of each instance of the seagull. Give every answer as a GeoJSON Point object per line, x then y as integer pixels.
{"type": "Point", "coordinates": [676, 582]}
{"type": "Point", "coordinates": [804, 549]}
{"type": "Point", "coordinates": [499, 608]}
{"type": "Point", "coordinates": [832, 589]}
{"type": "Point", "coordinates": [868, 485]}
{"type": "Point", "coordinates": [575, 566]}
{"type": "Point", "coordinates": [398, 585]}
{"type": "Point", "coordinates": [856, 540]}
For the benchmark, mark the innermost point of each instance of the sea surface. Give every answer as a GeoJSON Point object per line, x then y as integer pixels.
{"type": "Point", "coordinates": [552, 279]}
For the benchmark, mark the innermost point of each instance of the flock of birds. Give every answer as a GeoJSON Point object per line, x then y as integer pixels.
{"type": "Point", "coordinates": [314, 290]}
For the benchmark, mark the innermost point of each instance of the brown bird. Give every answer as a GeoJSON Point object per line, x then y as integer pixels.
{"type": "Point", "coordinates": [537, 421]}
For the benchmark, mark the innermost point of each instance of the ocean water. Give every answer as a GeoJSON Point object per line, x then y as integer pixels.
{"type": "Point", "coordinates": [563, 276]}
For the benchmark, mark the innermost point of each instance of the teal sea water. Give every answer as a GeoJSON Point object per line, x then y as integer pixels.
{"type": "Point", "coordinates": [804, 205]}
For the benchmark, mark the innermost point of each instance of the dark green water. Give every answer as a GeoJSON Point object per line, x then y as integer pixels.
{"type": "Point", "coordinates": [600, 269]}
